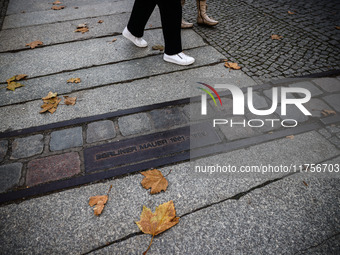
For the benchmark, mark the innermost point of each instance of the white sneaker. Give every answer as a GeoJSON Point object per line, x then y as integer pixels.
{"type": "Point", "coordinates": [138, 41]}
{"type": "Point", "coordinates": [179, 59]}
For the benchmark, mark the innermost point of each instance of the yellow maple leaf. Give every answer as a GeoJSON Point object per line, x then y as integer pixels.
{"type": "Point", "coordinates": [73, 80]}
{"type": "Point", "coordinates": [100, 202]}
{"type": "Point", "coordinates": [13, 85]}
{"type": "Point", "coordinates": [155, 223]}
{"type": "Point", "coordinates": [34, 44]}
{"type": "Point", "coordinates": [70, 100]}
{"type": "Point", "coordinates": [231, 65]}
{"type": "Point", "coordinates": [155, 180]}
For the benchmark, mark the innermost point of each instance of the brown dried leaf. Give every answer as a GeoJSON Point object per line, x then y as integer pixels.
{"type": "Point", "coordinates": [155, 223]}
{"type": "Point", "coordinates": [155, 180]}
{"type": "Point", "coordinates": [70, 100]}
{"type": "Point", "coordinates": [73, 80]}
{"type": "Point", "coordinates": [328, 112]}
{"type": "Point", "coordinates": [50, 95]}
{"type": "Point", "coordinates": [57, 2]}
{"type": "Point", "coordinates": [16, 78]}
{"type": "Point", "coordinates": [100, 202]}
{"type": "Point", "coordinates": [305, 183]}
{"type": "Point", "coordinates": [82, 30]}
{"type": "Point", "coordinates": [82, 25]}
{"type": "Point", "coordinates": [276, 37]}
{"type": "Point", "coordinates": [100, 21]}
{"type": "Point", "coordinates": [337, 27]}
{"type": "Point", "coordinates": [54, 7]}
{"type": "Point", "coordinates": [290, 12]}
{"type": "Point", "coordinates": [290, 137]}
{"type": "Point", "coordinates": [50, 105]}
{"type": "Point", "coordinates": [34, 44]}
{"type": "Point", "coordinates": [231, 65]}
{"type": "Point", "coordinates": [158, 47]}
{"type": "Point", "coordinates": [13, 85]}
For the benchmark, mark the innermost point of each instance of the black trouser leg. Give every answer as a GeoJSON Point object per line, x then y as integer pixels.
{"type": "Point", "coordinates": [141, 12]}
{"type": "Point", "coordinates": [171, 16]}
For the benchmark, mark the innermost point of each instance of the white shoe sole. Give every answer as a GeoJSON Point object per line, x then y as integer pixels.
{"type": "Point", "coordinates": [178, 63]}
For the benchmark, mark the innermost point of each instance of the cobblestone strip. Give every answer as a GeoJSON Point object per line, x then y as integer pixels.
{"type": "Point", "coordinates": [58, 154]}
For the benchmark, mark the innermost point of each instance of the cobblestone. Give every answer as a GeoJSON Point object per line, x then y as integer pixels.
{"type": "Point", "coordinates": [309, 86]}
{"type": "Point", "coordinates": [3, 149]}
{"type": "Point", "coordinates": [333, 129]}
{"type": "Point", "coordinates": [27, 146]}
{"type": "Point", "coordinates": [65, 139]}
{"type": "Point", "coordinates": [52, 168]}
{"type": "Point", "coordinates": [325, 133]}
{"type": "Point", "coordinates": [243, 35]}
{"type": "Point", "coordinates": [9, 176]}
{"type": "Point", "coordinates": [169, 117]}
{"type": "Point", "coordinates": [328, 84]}
{"type": "Point", "coordinates": [335, 140]}
{"type": "Point", "coordinates": [100, 130]}
{"type": "Point", "coordinates": [134, 124]}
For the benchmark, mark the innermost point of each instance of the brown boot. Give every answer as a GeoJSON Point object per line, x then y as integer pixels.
{"type": "Point", "coordinates": [186, 24]}
{"type": "Point", "coordinates": [202, 17]}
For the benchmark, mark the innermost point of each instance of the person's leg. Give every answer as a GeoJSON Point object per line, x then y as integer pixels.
{"type": "Point", "coordinates": [202, 17]}
{"type": "Point", "coordinates": [185, 24]}
{"type": "Point", "coordinates": [171, 16]}
{"type": "Point", "coordinates": [141, 12]}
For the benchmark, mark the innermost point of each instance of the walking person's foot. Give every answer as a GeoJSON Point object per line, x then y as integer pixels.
{"type": "Point", "coordinates": [179, 59]}
{"type": "Point", "coordinates": [138, 41]}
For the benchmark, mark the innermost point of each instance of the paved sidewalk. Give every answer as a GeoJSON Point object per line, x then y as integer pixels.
{"type": "Point", "coordinates": [133, 113]}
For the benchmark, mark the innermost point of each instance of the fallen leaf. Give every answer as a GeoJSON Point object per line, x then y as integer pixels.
{"type": "Point", "coordinates": [231, 65]}
{"type": "Point", "coordinates": [290, 137]}
{"type": "Point", "coordinates": [158, 47]}
{"type": "Point", "coordinates": [155, 223]}
{"type": "Point", "coordinates": [73, 80]}
{"type": "Point", "coordinates": [50, 104]}
{"type": "Point", "coordinates": [54, 7]}
{"type": "Point", "coordinates": [328, 112]}
{"type": "Point", "coordinates": [50, 95]}
{"type": "Point", "coordinates": [114, 39]}
{"type": "Point", "coordinates": [82, 25]}
{"type": "Point", "coordinates": [70, 100]}
{"type": "Point", "coordinates": [276, 37]}
{"type": "Point", "coordinates": [150, 25]}
{"type": "Point", "coordinates": [100, 202]}
{"type": "Point", "coordinates": [57, 2]}
{"type": "Point", "coordinates": [290, 12]}
{"type": "Point", "coordinates": [337, 27]}
{"type": "Point", "coordinates": [16, 78]}
{"type": "Point", "coordinates": [20, 76]}
{"type": "Point", "coordinates": [13, 85]}
{"type": "Point", "coordinates": [305, 183]}
{"type": "Point", "coordinates": [82, 30]}
{"type": "Point", "coordinates": [76, 7]}
{"type": "Point", "coordinates": [34, 44]}
{"type": "Point", "coordinates": [100, 21]}
{"type": "Point", "coordinates": [155, 180]}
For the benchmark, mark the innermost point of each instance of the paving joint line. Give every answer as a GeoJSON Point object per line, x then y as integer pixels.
{"type": "Point", "coordinates": [105, 64]}
{"type": "Point", "coordinates": [319, 244]}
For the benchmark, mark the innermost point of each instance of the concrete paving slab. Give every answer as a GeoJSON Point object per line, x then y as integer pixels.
{"type": "Point", "coordinates": [69, 13]}
{"type": "Point", "coordinates": [83, 54]}
{"type": "Point", "coordinates": [36, 88]}
{"type": "Point", "coordinates": [52, 223]}
{"type": "Point", "coordinates": [143, 92]}
{"type": "Point", "coordinates": [285, 217]}
{"type": "Point", "coordinates": [17, 6]}
{"type": "Point", "coordinates": [62, 32]}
